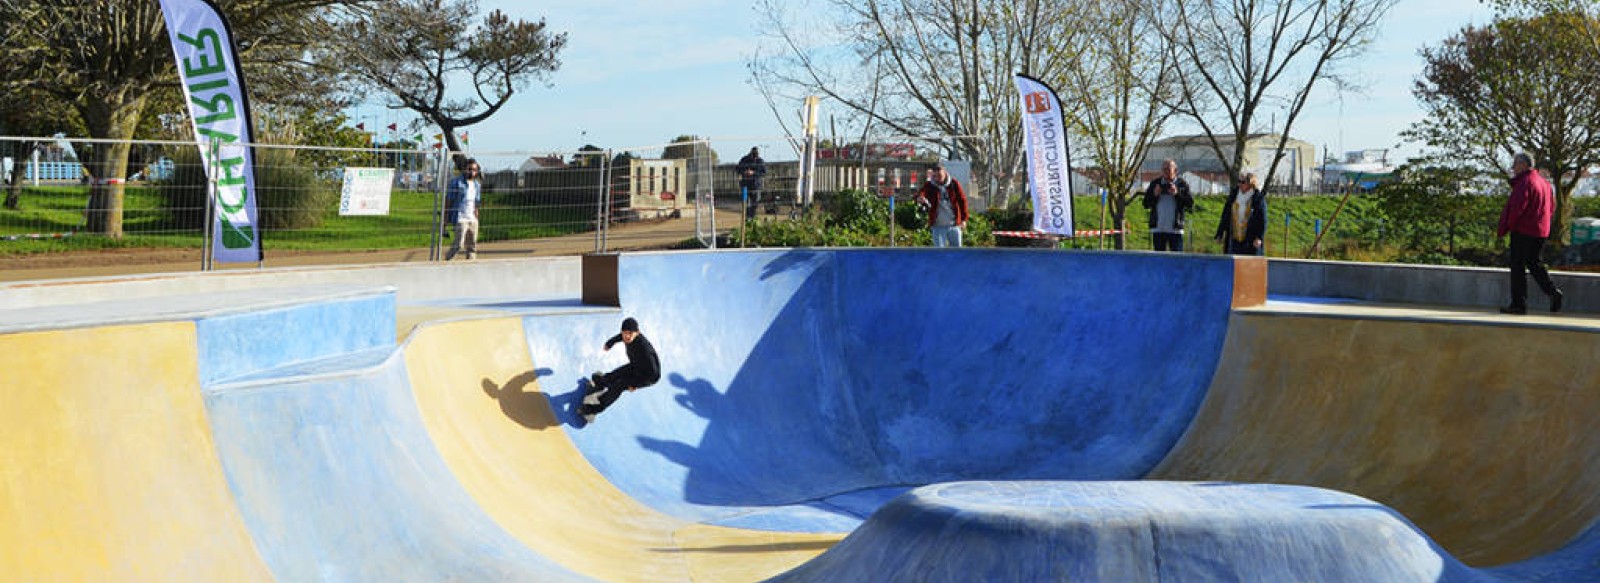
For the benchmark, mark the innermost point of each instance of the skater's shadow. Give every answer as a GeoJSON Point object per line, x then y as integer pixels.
{"type": "Point", "coordinates": [698, 396]}
{"type": "Point", "coordinates": [528, 408]}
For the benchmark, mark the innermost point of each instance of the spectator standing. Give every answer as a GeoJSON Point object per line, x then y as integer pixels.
{"type": "Point", "coordinates": [1168, 200]}
{"type": "Point", "coordinates": [461, 200]}
{"type": "Point", "coordinates": [947, 206]}
{"type": "Point", "coordinates": [1243, 226]}
{"type": "Point", "coordinates": [751, 168]}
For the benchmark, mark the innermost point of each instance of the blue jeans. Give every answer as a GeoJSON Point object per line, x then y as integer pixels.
{"type": "Point", "coordinates": [947, 236]}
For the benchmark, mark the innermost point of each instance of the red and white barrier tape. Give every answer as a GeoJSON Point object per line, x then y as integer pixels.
{"type": "Point", "coordinates": [1039, 235]}
{"type": "Point", "coordinates": [37, 236]}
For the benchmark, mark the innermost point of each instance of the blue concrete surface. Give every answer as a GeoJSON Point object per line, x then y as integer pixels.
{"type": "Point", "coordinates": [231, 345]}
{"type": "Point", "coordinates": [1578, 562]}
{"type": "Point", "coordinates": [808, 390]}
{"type": "Point", "coordinates": [1131, 531]}
{"type": "Point", "coordinates": [795, 376]}
{"type": "Point", "coordinates": [337, 480]}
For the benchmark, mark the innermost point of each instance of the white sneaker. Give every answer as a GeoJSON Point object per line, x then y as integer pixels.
{"type": "Point", "coordinates": [587, 419]}
{"type": "Point", "coordinates": [592, 398]}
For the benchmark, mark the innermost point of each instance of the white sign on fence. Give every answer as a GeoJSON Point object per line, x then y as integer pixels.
{"type": "Point", "coordinates": [366, 191]}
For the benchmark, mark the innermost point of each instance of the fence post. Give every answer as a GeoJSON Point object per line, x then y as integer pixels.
{"type": "Point", "coordinates": [436, 253]}
{"type": "Point", "coordinates": [707, 175]}
{"type": "Point", "coordinates": [599, 205]}
{"type": "Point", "coordinates": [891, 222]}
{"type": "Point", "coordinates": [1288, 217]}
{"type": "Point", "coordinates": [603, 218]}
{"type": "Point", "coordinates": [206, 228]}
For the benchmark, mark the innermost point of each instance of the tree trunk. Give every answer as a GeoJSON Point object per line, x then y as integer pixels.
{"type": "Point", "coordinates": [1563, 214]}
{"type": "Point", "coordinates": [452, 145]}
{"type": "Point", "coordinates": [113, 119]}
{"type": "Point", "coordinates": [1119, 213]}
{"type": "Point", "coordinates": [14, 182]}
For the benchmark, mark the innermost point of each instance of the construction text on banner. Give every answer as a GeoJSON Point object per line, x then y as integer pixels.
{"type": "Point", "coordinates": [1049, 160]}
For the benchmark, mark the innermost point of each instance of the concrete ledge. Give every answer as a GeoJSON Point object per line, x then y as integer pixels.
{"type": "Point", "coordinates": [1249, 281]}
{"type": "Point", "coordinates": [1131, 531]}
{"type": "Point", "coordinates": [1422, 284]}
{"type": "Point", "coordinates": [98, 312]}
{"type": "Point", "coordinates": [600, 280]}
{"type": "Point", "coordinates": [413, 282]}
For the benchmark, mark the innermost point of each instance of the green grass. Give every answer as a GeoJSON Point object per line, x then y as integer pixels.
{"type": "Point", "coordinates": [409, 224]}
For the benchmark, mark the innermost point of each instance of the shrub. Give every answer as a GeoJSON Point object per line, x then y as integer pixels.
{"type": "Point", "coordinates": [288, 194]}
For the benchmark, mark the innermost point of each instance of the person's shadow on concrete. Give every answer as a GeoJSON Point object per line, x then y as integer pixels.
{"type": "Point", "coordinates": [698, 396]}
{"type": "Point", "coordinates": [529, 409]}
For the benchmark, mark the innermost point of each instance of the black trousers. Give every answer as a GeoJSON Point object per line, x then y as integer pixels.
{"type": "Point", "coordinates": [1241, 247]}
{"type": "Point", "coordinates": [612, 385]}
{"type": "Point", "coordinates": [1168, 241]}
{"type": "Point", "coordinates": [753, 200]}
{"type": "Point", "coordinates": [1525, 258]}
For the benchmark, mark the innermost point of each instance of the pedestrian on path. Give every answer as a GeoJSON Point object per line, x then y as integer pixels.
{"type": "Point", "coordinates": [1526, 218]}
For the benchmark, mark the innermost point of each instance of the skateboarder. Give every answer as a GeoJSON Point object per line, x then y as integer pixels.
{"type": "Point", "coordinates": [643, 369]}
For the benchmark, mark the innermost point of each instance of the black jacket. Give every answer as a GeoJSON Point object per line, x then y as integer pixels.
{"type": "Point", "coordinates": [1185, 199]}
{"type": "Point", "coordinates": [757, 168]}
{"type": "Point", "coordinates": [1255, 228]}
{"type": "Point", "coordinates": [642, 360]}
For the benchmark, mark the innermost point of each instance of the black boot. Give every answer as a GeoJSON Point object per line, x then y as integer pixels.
{"type": "Point", "coordinates": [1555, 300]}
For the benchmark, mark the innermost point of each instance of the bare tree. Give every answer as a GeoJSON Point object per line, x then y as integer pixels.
{"type": "Point", "coordinates": [921, 67]}
{"type": "Point", "coordinates": [414, 50]}
{"type": "Point", "coordinates": [1111, 92]}
{"type": "Point", "coordinates": [1235, 55]}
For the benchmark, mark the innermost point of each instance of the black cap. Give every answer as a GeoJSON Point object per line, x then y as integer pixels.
{"type": "Point", "coordinates": [630, 325]}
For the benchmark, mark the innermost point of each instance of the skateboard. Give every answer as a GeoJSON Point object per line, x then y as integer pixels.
{"type": "Point", "coordinates": [591, 398]}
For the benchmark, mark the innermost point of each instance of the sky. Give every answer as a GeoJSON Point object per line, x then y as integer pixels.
{"type": "Point", "coordinates": [637, 74]}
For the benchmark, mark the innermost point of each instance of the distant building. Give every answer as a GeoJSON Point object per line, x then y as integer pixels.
{"type": "Point", "coordinates": [1195, 154]}
{"type": "Point", "coordinates": [874, 151]}
{"type": "Point", "coordinates": [657, 185]}
{"type": "Point", "coordinates": [542, 163]}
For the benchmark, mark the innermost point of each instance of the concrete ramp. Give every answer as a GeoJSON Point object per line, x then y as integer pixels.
{"type": "Point", "coordinates": [825, 415]}
{"type": "Point", "coordinates": [107, 467]}
{"type": "Point", "coordinates": [1483, 434]}
{"type": "Point", "coordinates": [794, 377]}
{"type": "Point", "coordinates": [482, 402]}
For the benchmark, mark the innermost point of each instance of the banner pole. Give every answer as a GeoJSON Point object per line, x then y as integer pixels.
{"type": "Point", "coordinates": [213, 157]}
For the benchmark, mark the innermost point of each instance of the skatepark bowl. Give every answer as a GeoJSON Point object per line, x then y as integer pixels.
{"type": "Point", "coordinates": [823, 415]}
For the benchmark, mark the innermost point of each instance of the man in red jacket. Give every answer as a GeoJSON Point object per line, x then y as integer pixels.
{"type": "Point", "coordinates": [1527, 219]}
{"type": "Point", "coordinates": [946, 204]}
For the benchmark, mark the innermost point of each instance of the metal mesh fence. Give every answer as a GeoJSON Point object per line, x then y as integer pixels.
{"type": "Point", "coordinates": [663, 196]}
{"type": "Point", "coordinates": [528, 198]}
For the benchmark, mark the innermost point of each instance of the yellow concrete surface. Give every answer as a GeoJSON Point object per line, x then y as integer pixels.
{"type": "Point", "coordinates": [1482, 434]}
{"type": "Point", "coordinates": [408, 318]}
{"type": "Point", "coordinates": [107, 468]}
{"type": "Point", "coordinates": [482, 405]}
